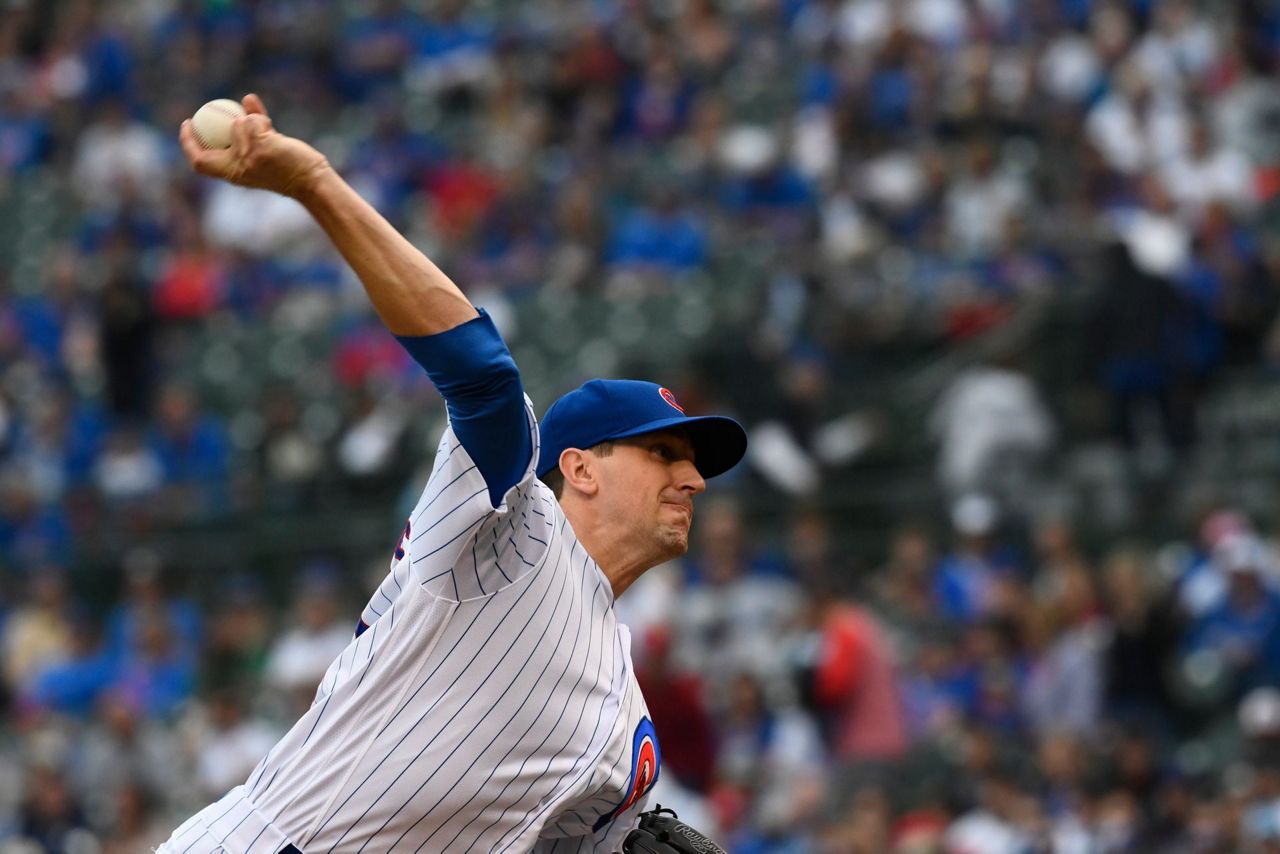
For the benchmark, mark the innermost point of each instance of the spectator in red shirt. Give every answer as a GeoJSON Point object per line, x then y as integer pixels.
{"type": "Point", "coordinates": [675, 700]}
{"type": "Point", "coordinates": [853, 683]}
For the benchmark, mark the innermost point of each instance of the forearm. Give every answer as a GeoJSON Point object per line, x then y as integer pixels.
{"type": "Point", "coordinates": [470, 365]}
{"type": "Point", "coordinates": [410, 293]}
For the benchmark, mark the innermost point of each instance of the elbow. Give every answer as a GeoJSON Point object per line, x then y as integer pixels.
{"type": "Point", "coordinates": [501, 380]}
{"type": "Point", "coordinates": [496, 388]}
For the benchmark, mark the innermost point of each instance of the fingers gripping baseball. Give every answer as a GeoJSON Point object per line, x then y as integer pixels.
{"type": "Point", "coordinates": [259, 155]}
{"type": "Point", "coordinates": [253, 105]}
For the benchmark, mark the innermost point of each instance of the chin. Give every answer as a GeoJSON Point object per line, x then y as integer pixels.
{"type": "Point", "coordinates": [674, 542]}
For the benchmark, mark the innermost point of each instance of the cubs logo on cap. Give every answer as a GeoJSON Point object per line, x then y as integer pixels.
{"type": "Point", "coordinates": [600, 410]}
{"type": "Point", "coordinates": [670, 398]}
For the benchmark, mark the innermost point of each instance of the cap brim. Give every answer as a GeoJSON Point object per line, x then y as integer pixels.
{"type": "Point", "coordinates": [719, 442]}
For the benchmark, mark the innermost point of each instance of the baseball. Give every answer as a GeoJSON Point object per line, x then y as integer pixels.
{"type": "Point", "coordinates": [212, 122]}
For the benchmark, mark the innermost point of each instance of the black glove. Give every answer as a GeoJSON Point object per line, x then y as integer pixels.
{"type": "Point", "coordinates": [660, 833]}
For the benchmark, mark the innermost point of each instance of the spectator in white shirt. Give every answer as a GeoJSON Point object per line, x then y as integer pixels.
{"type": "Point", "coordinates": [299, 659]}
{"type": "Point", "coordinates": [1208, 173]}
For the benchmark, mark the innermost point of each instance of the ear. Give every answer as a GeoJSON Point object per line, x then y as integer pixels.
{"type": "Point", "coordinates": [578, 469]}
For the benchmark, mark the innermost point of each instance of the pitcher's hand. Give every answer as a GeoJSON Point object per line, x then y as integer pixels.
{"type": "Point", "coordinates": [260, 156]}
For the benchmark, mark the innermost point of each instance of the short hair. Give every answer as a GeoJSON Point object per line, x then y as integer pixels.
{"type": "Point", "coordinates": [555, 478]}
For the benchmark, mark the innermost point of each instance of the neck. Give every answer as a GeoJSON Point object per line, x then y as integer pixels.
{"type": "Point", "coordinates": [618, 564]}
{"type": "Point", "coordinates": [621, 561]}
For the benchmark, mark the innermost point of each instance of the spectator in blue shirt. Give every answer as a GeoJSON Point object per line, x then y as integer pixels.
{"type": "Point", "coordinates": [1238, 627]}
{"type": "Point", "coordinates": [193, 450]}
{"type": "Point", "coordinates": [155, 673]}
{"type": "Point", "coordinates": [73, 686]}
{"type": "Point", "coordinates": [30, 532]}
{"type": "Point", "coordinates": [145, 597]}
{"type": "Point", "coordinates": [662, 235]}
{"type": "Point", "coordinates": [967, 582]}
{"type": "Point", "coordinates": [24, 135]}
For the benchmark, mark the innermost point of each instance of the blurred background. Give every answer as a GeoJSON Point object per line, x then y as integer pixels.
{"type": "Point", "coordinates": [993, 285]}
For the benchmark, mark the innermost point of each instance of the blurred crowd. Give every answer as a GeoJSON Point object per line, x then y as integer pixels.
{"type": "Point", "coordinates": [883, 178]}
{"type": "Point", "coordinates": [985, 690]}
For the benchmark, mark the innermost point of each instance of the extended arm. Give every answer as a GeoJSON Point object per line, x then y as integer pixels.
{"type": "Point", "coordinates": [460, 350]}
{"type": "Point", "coordinates": [410, 294]}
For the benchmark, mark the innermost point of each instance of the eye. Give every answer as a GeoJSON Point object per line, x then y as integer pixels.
{"type": "Point", "coordinates": [665, 451]}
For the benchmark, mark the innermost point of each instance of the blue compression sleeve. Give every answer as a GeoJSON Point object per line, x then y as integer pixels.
{"type": "Point", "coordinates": [477, 377]}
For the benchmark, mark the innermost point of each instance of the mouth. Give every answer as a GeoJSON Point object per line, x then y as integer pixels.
{"type": "Point", "coordinates": [683, 508]}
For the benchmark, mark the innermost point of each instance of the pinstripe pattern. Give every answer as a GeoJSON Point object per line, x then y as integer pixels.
{"type": "Point", "coordinates": [489, 703]}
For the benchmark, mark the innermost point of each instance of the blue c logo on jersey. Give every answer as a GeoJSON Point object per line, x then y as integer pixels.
{"type": "Point", "coordinates": [398, 554]}
{"type": "Point", "coordinates": [646, 761]}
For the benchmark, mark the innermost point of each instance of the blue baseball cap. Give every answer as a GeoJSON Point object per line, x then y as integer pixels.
{"type": "Point", "coordinates": [600, 410]}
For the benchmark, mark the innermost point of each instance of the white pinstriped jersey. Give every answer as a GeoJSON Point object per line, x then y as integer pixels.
{"type": "Point", "coordinates": [490, 705]}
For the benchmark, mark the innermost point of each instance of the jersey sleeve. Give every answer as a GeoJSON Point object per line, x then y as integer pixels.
{"type": "Point", "coordinates": [473, 370]}
{"type": "Point", "coordinates": [456, 543]}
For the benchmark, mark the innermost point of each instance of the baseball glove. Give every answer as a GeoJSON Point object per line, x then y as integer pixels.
{"type": "Point", "coordinates": [659, 832]}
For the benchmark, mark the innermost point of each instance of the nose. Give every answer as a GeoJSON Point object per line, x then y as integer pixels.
{"type": "Point", "coordinates": [688, 480]}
